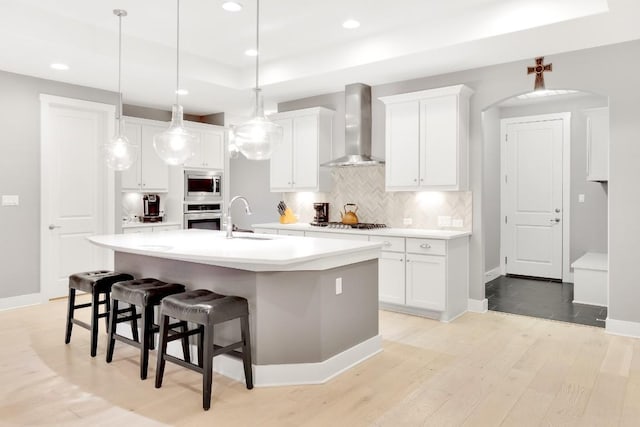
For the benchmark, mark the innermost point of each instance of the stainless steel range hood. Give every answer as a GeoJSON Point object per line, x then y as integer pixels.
{"type": "Point", "coordinates": [357, 133]}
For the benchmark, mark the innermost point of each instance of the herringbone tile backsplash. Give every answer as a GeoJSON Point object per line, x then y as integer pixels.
{"type": "Point", "coordinates": [364, 186]}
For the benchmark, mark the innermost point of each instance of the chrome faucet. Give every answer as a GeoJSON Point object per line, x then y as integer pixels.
{"type": "Point", "coordinates": [229, 225]}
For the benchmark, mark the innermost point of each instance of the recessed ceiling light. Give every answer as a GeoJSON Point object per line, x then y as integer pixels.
{"type": "Point", "coordinates": [182, 92]}
{"type": "Point", "coordinates": [59, 66]}
{"type": "Point", "coordinates": [251, 52]}
{"type": "Point", "coordinates": [232, 6]}
{"type": "Point", "coordinates": [350, 24]}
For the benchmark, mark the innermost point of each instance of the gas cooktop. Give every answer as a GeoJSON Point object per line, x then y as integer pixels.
{"type": "Point", "coordinates": [360, 225]}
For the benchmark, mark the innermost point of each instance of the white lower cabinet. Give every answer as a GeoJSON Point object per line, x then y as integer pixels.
{"type": "Point", "coordinates": [422, 276]}
{"type": "Point", "coordinates": [391, 278]}
{"type": "Point", "coordinates": [426, 282]}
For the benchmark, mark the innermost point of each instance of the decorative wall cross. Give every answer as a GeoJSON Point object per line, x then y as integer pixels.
{"type": "Point", "coordinates": [539, 69]}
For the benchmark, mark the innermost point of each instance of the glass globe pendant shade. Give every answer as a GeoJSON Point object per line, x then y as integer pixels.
{"type": "Point", "coordinates": [119, 153]}
{"type": "Point", "coordinates": [257, 138]}
{"type": "Point", "coordinates": [175, 145]}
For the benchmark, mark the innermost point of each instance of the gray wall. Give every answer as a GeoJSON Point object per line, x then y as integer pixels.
{"type": "Point", "coordinates": [589, 219]}
{"type": "Point", "coordinates": [609, 71]}
{"type": "Point", "coordinates": [491, 185]}
{"type": "Point", "coordinates": [20, 174]}
{"type": "Point", "coordinates": [250, 178]}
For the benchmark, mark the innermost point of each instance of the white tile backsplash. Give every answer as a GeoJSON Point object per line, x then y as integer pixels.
{"type": "Point", "coordinates": [364, 186]}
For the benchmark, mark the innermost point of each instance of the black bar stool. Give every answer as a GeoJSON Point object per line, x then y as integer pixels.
{"type": "Point", "coordinates": [146, 294]}
{"type": "Point", "coordinates": [96, 283]}
{"type": "Point", "coordinates": [205, 309]}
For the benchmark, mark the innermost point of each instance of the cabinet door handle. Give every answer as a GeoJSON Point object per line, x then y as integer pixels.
{"type": "Point", "coordinates": [425, 246]}
{"type": "Point", "coordinates": [401, 259]}
{"type": "Point", "coordinates": [415, 179]}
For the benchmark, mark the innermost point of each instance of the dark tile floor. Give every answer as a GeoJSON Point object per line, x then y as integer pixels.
{"type": "Point", "coordinates": [541, 298]}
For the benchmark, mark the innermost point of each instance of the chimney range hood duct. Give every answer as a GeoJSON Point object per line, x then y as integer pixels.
{"type": "Point", "coordinates": [357, 133]}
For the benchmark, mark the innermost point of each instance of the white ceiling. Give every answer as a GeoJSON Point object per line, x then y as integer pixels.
{"type": "Point", "coordinates": [305, 50]}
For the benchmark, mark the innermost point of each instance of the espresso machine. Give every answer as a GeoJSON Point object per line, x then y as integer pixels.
{"type": "Point", "coordinates": [322, 214]}
{"type": "Point", "coordinates": [151, 208]}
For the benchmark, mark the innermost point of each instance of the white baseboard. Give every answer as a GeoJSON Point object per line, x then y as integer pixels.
{"type": "Point", "coordinates": [492, 274]}
{"type": "Point", "coordinates": [567, 277]}
{"type": "Point", "coordinates": [20, 301]}
{"type": "Point", "coordinates": [622, 327]}
{"type": "Point", "coordinates": [478, 306]}
{"type": "Point", "coordinates": [285, 374]}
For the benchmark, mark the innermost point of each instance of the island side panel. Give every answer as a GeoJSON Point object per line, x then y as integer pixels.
{"type": "Point", "coordinates": [226, 281]}
{"type": "Point", "coordinates": [303, 320]}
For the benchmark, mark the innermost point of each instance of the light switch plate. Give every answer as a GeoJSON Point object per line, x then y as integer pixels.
{"type": "Point", "coordinates": [444, 221]}
{"type": "Point", "coordinates": [581, 198]}
{"type": "Point", "coordinates": [338, 285]}
{"type": "Point", "coordinates": [457, 223]}
{"type": "Point", "coordinates": [407, 221]}
{"type": "Point", "coordinates": [10, 200]}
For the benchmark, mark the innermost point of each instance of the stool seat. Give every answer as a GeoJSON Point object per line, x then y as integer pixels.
{"type": "Point", "coordinates": [144, 292]}
{"type": "Point", "coordinates": [204, 307]}
{"type": "Point", "coordinates": [96, 281]}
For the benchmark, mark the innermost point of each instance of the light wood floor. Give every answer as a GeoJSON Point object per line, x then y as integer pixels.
{"type": "Point", "coordinates": [481, 370]}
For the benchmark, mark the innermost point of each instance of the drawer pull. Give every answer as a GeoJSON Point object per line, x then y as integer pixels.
{"type": "Point", "coordinates": [425, 246]}
{"type": "Point", "coordinates": [387, 243]}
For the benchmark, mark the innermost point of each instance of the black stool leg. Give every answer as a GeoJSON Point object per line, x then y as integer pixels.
{"type": "Point", "coordinates": [113, 324]}
{"type": "Point", "coordinates": [107, 309]}
{"type": "Point", "coordinates": [152, 341]}
{"type": "Point", "coordinates": [147, 324]}
{"type": "Point", "coordinates": [95, 307]}
{"type": "Point", "coordinates": [186, 354]}
{"type": "Point", "coordinates": [162, 348]}
{"type": "Point", "coordinates": [70, 309]}
{"type": "Point", "coordinates": [207, 367]}
{"type": "Point", "coordinates": [134, 323]}
{"type": "Point", "coordinates": [200, 345]}
{"type": "Point", "coordinates": [246, 351]}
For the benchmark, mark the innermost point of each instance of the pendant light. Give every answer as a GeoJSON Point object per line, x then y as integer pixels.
{"type": "Point", "coordinates": [256, 138]}
{"type": "Point", "coordinates": [119, 153]}
{"type": "Point", "coordinates": [175, 145]}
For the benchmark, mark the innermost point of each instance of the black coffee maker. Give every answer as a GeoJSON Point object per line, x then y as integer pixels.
{"type": "Point", "coordinates": [151, 208]}
{"type": "Point", "coordinates": [322, 213]}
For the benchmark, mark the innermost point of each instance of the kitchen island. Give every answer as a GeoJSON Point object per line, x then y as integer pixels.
{"type": "Point", "coordinates": [313, 302]}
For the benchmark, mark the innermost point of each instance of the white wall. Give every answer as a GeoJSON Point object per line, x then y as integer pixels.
{"type": "Point", "coordinates": [491, 185]}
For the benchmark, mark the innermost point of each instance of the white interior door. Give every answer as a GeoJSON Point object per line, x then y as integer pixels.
{"type": "Point", "coordinates": [77, 190]}
{"type": "Point", "coordinates": [532, 204]}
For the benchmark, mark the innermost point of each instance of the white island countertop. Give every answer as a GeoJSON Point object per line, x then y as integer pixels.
{"type": "Point", "coordinates": [397, 232]}
{"type": "Point", "coordinates": [247, 251]}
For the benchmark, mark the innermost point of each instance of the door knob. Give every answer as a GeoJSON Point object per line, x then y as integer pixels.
{"type": "Point", "coordinates": [53, 227]}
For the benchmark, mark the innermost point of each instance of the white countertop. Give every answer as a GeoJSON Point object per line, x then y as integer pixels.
{"type": "Point", "coordinates": [592, 261]}
{"type": "Point", "coordinates": [399, 232]}
{"type": "Point", "coordinates": [149, 224]}
{"type": "Point", "coordinates": [270, 253]}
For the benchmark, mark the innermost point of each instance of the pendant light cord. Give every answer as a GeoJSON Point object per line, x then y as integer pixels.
{"type": "Point", "coordinates": [178, 53]}
{"type": "Point", "coordinates": [257, 90]}
{"type": "Point", "coordinates": [120, 73]}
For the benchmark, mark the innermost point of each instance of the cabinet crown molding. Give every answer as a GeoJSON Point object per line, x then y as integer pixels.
{"type": "Point", "coordinates": [460, 90]}
{"type": "Point", "coordinates": [302, 112]}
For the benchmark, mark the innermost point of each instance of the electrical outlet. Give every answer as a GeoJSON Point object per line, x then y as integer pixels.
{"type": "Point", "coordinates": [457, 223]}
{"type": "Point", "coordinates": [10, 200]}
{"type": "Point", "coordinates": [581, 198]}
{"type": "Point", "coordinates": [407, 221]}
{"type": "Point", "coordinates": [444, 221]}
{"type": "Point", "coordinates": [338, 285]}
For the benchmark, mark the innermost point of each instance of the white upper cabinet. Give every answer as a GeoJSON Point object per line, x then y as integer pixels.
{"type": "Point", "coordinates": [295, 163]}
{"type": "Point", "coordinates": [426, 139]}
{"type": "Point", "coordinates": [210, 150]}
{"type": "Point", "coordinates": [149, 172]}
{"type": "Point", "coordinates": [597, 144]}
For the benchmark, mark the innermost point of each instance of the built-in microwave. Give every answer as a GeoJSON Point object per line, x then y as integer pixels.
{"type": "Point", "coordinates": [202, 185]}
